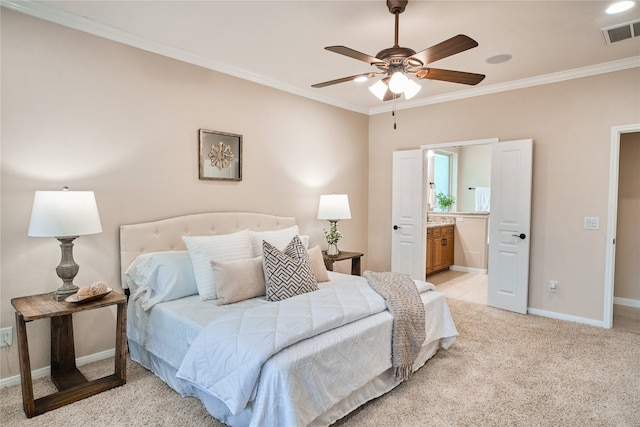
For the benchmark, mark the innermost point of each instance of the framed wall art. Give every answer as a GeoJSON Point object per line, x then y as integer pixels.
{"type": "Point", "coordinates": [220, 155]}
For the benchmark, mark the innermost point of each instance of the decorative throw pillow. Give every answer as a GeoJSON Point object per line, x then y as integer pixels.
{"type": "Point", "coordinates": [287, 273]}
{"type": "Point", "coordinates": [317, 264]}
{"type": "Point", "coordinates": [224, 247]}
{"type": "Point", "coordinates": [238, 280]}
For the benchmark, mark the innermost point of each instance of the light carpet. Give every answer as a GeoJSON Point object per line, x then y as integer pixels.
{"type": "Point", "coordinates": [504, 369]}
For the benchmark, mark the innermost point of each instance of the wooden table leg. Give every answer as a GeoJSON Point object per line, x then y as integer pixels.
{"type": "Point", "coordinates": [121, 344]}
{"type": "Point", "coordinates": [355, 266]}
{"type": "Point", "coordinates": [64, 372]}
{"type": "Point", "coordinates": [28, 403]}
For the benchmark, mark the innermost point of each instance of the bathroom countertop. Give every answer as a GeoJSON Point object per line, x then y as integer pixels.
{"type": "Point", "coordinates": [454, 214]}
{"type": "Point", "coordinates": [435, 224]}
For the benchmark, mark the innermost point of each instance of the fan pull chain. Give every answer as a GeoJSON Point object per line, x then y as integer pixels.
{"type": "Point", "coordinates": [393, 113]}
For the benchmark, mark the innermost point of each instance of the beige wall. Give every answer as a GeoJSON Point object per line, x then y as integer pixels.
{"type": "Point", "coordinates": [570, 124]}
{"type": "Point", "coordinates": [627, 273]}
{"type": "Point", "coordinates": [92, 114]}
{"type": "Point", "coordinates": [474, 170]}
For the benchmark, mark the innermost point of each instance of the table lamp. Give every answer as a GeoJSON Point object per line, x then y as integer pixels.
{"type": "Point", "coordinates": [333, 207]}
{"type": "Point", "coordinates": [64, 215]}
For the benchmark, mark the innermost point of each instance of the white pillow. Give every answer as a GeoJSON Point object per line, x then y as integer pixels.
{"type": "Point", "coordinates": [204, 249]}
{"type": "Point", "coordinates": [161, 276]}
{"type": "Point", "coordinates": [278, 238]}
{"type": "Point", "coordinates": [238, 280]}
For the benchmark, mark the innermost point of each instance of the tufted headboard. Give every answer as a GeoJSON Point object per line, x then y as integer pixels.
{"type": "Point", "coordinates": [166, 234]}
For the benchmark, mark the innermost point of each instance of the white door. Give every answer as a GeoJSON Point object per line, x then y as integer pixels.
{"type": "Point", "coordinates": [408, 237]}
{"type": "Point", "coordinates": [509, 225]}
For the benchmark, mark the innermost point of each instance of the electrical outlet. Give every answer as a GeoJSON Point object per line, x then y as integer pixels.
{"type": "Point", "coordinates": [553, 286]}
{"type": "Point", "coordinates": [6, 336]}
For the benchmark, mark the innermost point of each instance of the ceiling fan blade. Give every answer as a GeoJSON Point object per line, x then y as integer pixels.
{"type": "Point", "coordinates": [449, 76]}
{"type": "Point", "coordinates": [346, 51]}
{"type": "Point", "coordinates": [343, 79]}
{"type": "Point", "coordinates": [449, 47]}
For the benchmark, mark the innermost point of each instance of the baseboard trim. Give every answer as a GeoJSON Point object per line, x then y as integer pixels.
{"type": "Point", "coordinates": [46, 371]}
{"type": "Point", "coordinates": [635, 303]}
{"type": "Point", "coordinates": [567, 317]}
{"type": "Point", "coordinates": [468, 269]}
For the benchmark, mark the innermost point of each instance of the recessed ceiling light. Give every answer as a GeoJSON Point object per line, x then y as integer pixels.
{"type": "Point", "coordinates": [620, 6]}
{"type": "Point", "coordinates": [499, 59]}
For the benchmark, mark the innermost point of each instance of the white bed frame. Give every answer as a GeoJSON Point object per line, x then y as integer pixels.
{"type": "Point", "coordinates": [166, 235]}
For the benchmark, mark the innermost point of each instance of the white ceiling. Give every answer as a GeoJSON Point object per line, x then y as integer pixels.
{"type": "Point", "coordinates": [281, 43]}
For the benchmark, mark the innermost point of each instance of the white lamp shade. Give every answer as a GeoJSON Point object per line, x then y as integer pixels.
{"type": "Point", "coordinates": [334, 207]}
{"type": "Point", "coordinates": [64, 214]}
{"type": "Point", "coordinates": [411, 89]}
{"type": "Point", "coordinates": [378, 89]}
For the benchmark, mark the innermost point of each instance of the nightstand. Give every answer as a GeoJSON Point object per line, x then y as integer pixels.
{"type": "Point", "coordinates": [343, 256]}
{"type": "Point", "coordinates": [72, 385]}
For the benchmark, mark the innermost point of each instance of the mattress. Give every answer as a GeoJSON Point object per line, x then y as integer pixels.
{"type": "Point", "coordinates": [313, 382]}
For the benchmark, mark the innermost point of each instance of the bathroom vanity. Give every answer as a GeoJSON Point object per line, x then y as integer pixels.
{"type": "Point", "coordinates": [440, 247]}
{"type": "Point", "coordinates": [465, 246]}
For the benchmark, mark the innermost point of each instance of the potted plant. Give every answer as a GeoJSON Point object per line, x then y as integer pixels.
{"type": "Point", "coordinates": [333, 235]}
{"type": "Point", "coordinates": [445, 201]}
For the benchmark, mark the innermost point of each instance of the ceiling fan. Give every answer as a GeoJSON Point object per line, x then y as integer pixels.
{"type": "Point", "coordinates": [396, 62]}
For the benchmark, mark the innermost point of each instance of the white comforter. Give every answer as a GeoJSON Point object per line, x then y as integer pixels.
{"type": "Point", "coordinates": [313, 382]}
{"type": "Point", "coordinates": [226, 358]}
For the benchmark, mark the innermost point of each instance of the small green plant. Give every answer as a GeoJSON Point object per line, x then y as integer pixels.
{"type": "Point", "coordinates": [445, 201]}
{"type": "Point", "coordinates": [333, 235]}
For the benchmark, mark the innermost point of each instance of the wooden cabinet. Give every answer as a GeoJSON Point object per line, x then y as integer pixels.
{"type": "Point", "coordinates": [440, 248]}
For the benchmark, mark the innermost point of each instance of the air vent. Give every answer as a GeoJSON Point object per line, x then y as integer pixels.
{"type": "Point", "coordinates": [621, 32]}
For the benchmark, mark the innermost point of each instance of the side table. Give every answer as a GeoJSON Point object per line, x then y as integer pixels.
{"type": "Point", "coordinates": [72, 385]}
{"type": "Point", "coordinates": [343, 256]}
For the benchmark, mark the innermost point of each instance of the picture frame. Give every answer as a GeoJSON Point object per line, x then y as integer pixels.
{"type": "Point", "coordinates": [220, 155]}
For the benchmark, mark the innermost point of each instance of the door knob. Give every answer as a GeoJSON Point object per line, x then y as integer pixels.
{"type": "Point", "coordinates": [521, 235]}
{"type": "Point", "coordinates": [395, 227]}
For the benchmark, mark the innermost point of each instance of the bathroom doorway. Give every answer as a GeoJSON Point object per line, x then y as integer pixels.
{"type": "Point", "coordinates": [457, 171]}
{"type": "Point", "coordinates": [626, 277]}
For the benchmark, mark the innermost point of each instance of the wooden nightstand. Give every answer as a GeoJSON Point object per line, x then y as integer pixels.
{"type": "Point", "coordinates": [72, 385]}
{"type": "Point", "coordinates": [342, 256]}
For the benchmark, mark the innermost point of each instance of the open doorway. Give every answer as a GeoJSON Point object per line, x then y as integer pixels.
{"type": "Point", "coordinates": [510, 223]}
{"type": "Point", "coordinates": [458, 170]}
{"type": "Point", "coordinates": [626, 278]}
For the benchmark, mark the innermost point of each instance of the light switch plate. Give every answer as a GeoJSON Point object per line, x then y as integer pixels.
{"type": "Point", "coordinates": [591, 223]}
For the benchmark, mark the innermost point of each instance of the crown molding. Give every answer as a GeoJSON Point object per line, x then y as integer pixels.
{"type": "Point", "coordinates": [47, 13]}
{"type": "Point", "coordinates": [576, 73]}
{"type": "Point", "coordinates": [42, 11]}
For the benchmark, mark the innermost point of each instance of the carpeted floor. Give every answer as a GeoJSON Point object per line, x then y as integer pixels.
{"type": "Point", "coordinates": [505, 369]}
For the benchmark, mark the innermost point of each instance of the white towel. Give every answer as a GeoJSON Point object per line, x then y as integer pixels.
{"type": "Point", "coordinates": [483, 199]}
{"type": "Point", "coordinates": [432, 199]}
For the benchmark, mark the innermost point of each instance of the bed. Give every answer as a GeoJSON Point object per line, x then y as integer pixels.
{"type": "Point", "coordinates": [314, 380]}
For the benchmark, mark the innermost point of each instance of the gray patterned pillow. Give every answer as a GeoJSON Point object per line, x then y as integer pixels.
{"type": "Point", "coordinates": [287, 273]}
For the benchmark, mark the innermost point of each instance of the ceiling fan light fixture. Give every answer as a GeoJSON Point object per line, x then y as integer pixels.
{"type": "Point", "coordinates": [411, 89]}
{"type": "Point", "coordinates": [398, 82]}
{"type": "Point", "coordinates": [378, 89]}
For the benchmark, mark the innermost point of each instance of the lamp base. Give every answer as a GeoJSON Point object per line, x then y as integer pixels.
{"type": "Point", "coordinates": [67, 269]}
{"type": "Point", "coordinates": [63, 293]}
{"type": "Point", "coordinates": [332, 250]}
